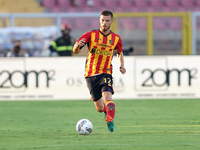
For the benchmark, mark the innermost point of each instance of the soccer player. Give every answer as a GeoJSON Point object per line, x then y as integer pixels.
{"type": "Point", "coordinates": [98, 71]}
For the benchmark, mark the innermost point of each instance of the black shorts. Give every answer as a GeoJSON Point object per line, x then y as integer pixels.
{"type": "Point", "coordinates": [98, 84]}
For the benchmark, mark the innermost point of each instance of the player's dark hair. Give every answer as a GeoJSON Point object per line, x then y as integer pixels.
{"type": "Point", "coordinates": [107, 13]}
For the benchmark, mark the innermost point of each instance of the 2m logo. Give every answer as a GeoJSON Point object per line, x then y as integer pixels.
{"type": "Point", "coordinates": [167, 74]}
{"type": "Point", "coordinates": [11, 78]}
{"type": "Point", "coordinates": [160, 74]}
{"type": "Point", "coordinates": [15, 76]}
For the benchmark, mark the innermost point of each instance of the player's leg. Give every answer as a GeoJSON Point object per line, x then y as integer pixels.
{"type": "Point", "coordinates": [110, 107]}
{"type": "Point", "coordinates": [100, 106]}
{"type": "Point", "coordinates": [107, 91]}
{"type": "Point", "coordinates": [93, 84]}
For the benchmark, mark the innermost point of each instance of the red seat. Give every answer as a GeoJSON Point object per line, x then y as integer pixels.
{"type": "Point", "coordinates": [88, 9]}
{"type": "Point", "coordinates": [166, 9]}
{"type": "Point", "coordinates": [81, 3]}
{"type": "Point", "coordinates": [150, 9]}
{"type": "Point", "coordinates": [159, 23]}
{"type": "Point", "coordinates": [128, 23]}
{"type": "Point", "coordinates": [180, 9]}
{"type": "Point", "coordinates": [187, 3]}
{"type": "Point", "coordinates": [56, 10]}
{"type": "Point", "coordinates": [142, 23]}
{"type": "Point", "coordinates": [125, 3]}
{"type": "Point", "coordinates": [73, 9]}
{"type": "Point", "coordinates": [120, 9]}
{"type": "Point", "coordinates": [100, 9]}
{"type": "Point", "coordinates": [197, 2]}
{"type": "Point", "coordinates": [141, 3]}
{"type": "Point", "coordinates": [81, 23]}
{"type": "Point", "coordinates": [94, 23]}
{"type": "Point", "coordinates": [98, 3]}
{"type": "Point", "coordinates": [64, 3]}
{"type": "Point", "coordinates": [157, 3]}
{"type": "Point", "coordinates": [110, 3]}
{"type": "Point", "coordinates": [135, 9]}
{"type": "Point", "coordinates": [198, 23]}
{"type": "Point", "coordinates": [175, 23]}
{"type": "Point", "coordinates": [196, 9]}
{"type": "Point", "coordinates": [49, 4]}
{"type": "Point", "coordinates": [172, 3]}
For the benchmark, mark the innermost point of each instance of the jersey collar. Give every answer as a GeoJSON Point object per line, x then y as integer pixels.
{"type": "Point", "coordinates": [104, 34]}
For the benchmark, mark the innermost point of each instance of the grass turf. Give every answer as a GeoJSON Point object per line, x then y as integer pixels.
{"type": "Point", "coordinates": [139, 125]}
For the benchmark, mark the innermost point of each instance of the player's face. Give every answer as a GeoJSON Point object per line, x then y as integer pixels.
{"type": "Point", "coordinates": [105, 23]}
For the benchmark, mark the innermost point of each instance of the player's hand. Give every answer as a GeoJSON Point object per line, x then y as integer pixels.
{"type": "Point", "coordinates": [122, 69]}
{"type": "Point", "coordinates": [81, 42]}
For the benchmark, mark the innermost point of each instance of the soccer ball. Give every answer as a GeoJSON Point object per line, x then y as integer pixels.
{"type": "Point", "coordinates": [84, 126]}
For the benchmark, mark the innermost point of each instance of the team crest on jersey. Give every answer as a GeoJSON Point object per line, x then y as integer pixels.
{"type": "Point", "coordinates": [110, 41]}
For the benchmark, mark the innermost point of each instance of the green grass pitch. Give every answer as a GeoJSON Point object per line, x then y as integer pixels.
{"type": "Point", "coordinates": [139, 125]}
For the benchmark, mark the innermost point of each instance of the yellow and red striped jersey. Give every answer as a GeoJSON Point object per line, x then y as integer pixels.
{"type": "Point", "coordinates": [101, 49]}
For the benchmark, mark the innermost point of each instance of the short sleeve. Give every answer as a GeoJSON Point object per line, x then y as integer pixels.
{"type": "Point", "coordinates": [86, 36]}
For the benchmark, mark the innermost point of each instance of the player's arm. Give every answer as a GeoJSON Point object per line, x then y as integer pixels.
{"type": "Point", "coordinates": [120, 57]}
{"type": "Point", "coordinates": [78, 45]}
{"type": "Point", "coordinates": [85, 38]}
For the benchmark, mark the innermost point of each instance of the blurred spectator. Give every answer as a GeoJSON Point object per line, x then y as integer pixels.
{"type": "Point", "coordinates": [90, 3]}
{"type": "Point", "coordinates": [64, 44]}
{"type": "Point", "coordinates": [128, 51]}
{"type": "Point", "coordinates": [17, 51]}
{"type": "Point", "coordinates": [46, 42]}
{"type": "Point", "coordinates": [74, 3]}
{"type": "Point", "coordinates": [37, 46]}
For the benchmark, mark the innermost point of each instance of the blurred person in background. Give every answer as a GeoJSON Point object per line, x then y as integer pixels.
{"type": "Point", "coordinates": [74, 3]}
{"type": "Point", "coordinates": [63, 45]}
{"type": "Point", "coordinates": [90, 3]}
{"type": "Point", "coordinates": [17, 51]}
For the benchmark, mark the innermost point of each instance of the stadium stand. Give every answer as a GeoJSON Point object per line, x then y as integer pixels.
{"type": "Point", "coordinates": [97, 3]}
{"type": "Point", "coordinates": [128, 23]}
{"type": "Point", "coordinates": [48, 3]}
{"type": "Point", "coordinates": [197, 2]}
{"type": "Point", "coordinates": [81, 23]}
{"type": "Point", "coordinates": [88, 9]}
{"type": "Point", "coordinates": [73, 9]}
{"type": "Point", "coordinates": [120, 9]}
{"type": "Point", "coordinates": [110, 3]}
{"type": "Point", "coordinates": [63, 3]}
{"type": "Point", "coordinates": [160, 23]}
{"type": "Point", "coordinates": [187, 3]}
{"type": "Point", "coordinates": [142, 23]}
{"type": "Point", "coordinates": [94, 23]}
{"type": "Point", "coordinates": [24, 6]}
{"type": "Point", "coordinates": [175, 23]}
{"type": "Point", "coordinates": [141, 3]}
{"type": "Point", "coordinates": [150, 9]}
{"type": "Point", "coordinates": [121, 5]}
{"type": "Point", "coordinates": [125, 3]}
{"type": "Point", "coordinates": [56, 9]}
{"type": "Point", "coordinates": [16, 6]}
{"type": "Point", "coordinates": [59, 6]}
{"type": "Point", "coordinates": [157, 3]}
{"type": "Point", "coordinates": [81, 3]}
{"type": "Point", "coordinates": [166, 9]}
{"type": "Point", "coordinates": [172, 3]}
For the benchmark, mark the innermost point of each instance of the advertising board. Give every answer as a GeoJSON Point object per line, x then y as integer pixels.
{"type": "Point", "coordinates": [147, 77]}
